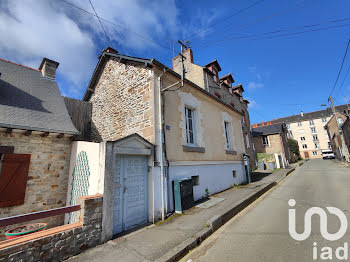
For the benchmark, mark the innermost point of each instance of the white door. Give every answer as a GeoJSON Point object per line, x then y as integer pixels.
{"type": "Point", "coordinates": [130, 192]}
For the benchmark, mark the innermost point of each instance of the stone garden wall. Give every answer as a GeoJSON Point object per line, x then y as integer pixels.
{"type": "Point", "coordinates": [59, 243]}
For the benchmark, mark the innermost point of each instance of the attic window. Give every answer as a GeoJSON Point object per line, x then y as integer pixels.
{"type": "Point", "coordinates": [217, 94]}
{"type": "Point", "coordinates": [215, 72]}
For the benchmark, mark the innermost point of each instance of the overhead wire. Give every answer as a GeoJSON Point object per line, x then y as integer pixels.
{"type": "Point", "coordinates": [116, 25]}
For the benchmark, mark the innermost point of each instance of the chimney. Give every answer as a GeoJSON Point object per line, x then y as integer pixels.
{"type": "Point", "coordinates": [301, 113]}
{"type": "Point", "coordinates": [48, 68]}
{"type": "Point", "coordinates": [188, 53]}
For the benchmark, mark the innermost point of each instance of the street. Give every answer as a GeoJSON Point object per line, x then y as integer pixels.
{"type": "Point", "coordinates": [260, 232]}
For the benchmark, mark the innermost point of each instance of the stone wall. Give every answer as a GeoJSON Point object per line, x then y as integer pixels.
{"type": "Point", "coordinates": [274, 144]}
{"type": "Point", "coordinates": [47, 177]}
{"type": "Point", "coordinates": [122, 102]}
{"type": "Point", "coordinates": [59, 243]}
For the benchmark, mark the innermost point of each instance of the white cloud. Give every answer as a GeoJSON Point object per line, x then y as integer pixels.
{"type": "Point", "coordinates": [33, 29]}
{"type": "Point", "coordinates": [254, 85]}
{"type": "Point", "coordinates": [252, 103]}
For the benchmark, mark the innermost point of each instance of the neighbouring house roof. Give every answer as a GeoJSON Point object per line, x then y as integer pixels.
{"type": "Point", "coordinates": [268, 129]}
{"type": "Point", "coordinates": [31, 102]}
{"type": "Point", "coordinates": [214, 62]}
{"type": "Point", "coordinates": [147, 63]}
{"type": "Point", "coordinates": [312, 115]}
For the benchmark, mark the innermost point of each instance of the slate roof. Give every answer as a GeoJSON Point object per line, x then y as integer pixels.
{"type": "Point", "coordinates": [312, 115]}
{"type": "Point", "coordinates": [31, 102]}
{"type": "Point", "coordinates": [268, 130]}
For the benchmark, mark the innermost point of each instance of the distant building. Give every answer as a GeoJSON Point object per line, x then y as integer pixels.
{"type": "Point", "coordinates": [334, 129]}
{"type": "Point", "coordinates": [272, 139]}
{"type": "Point", "coordinates": [309, 130]}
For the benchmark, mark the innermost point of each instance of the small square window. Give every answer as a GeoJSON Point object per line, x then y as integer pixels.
{"type": "Point", "coordinates": [299, 124]}
{"type": "Point", "coordinates": [304, 146]}
{"type": "Point", "coordinates": [314, 153]}
{"type": "Point", "coordinates": [311, 122]}
{"type": "Point", "coordinates": [234, 173]}
{"type": "Point", "coordinates": [302, 138]}
{"type": "Point", "coordinates": [265, 140]}
{"type": "Point", "coordinates": [324, 120]}
{"type": "Point", "coordinates": [313, 130]}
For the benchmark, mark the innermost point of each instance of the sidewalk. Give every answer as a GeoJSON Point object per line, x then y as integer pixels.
{"type": "Point", "coordinates": [170, 240]}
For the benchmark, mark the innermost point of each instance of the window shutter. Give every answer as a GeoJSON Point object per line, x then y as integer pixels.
{"type": "Point", "coordinates": [13, 179]}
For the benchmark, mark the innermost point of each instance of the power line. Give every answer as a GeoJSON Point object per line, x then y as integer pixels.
{"type": "Point", "coordinates": [282, 35]}
{"type": "Point", "coordinates": [278, 13]}
{"type": "Point", "coordinates": [110, 42]}
{"type": "Point", "coordinates": [341, 67]}
{"type": "Point", "coordinates": [230, 16]}
{"type": "Point", "coordinates": [341, 86]}
{"type": "Point", "coordinates": [116, 25]}
{"type": "Point", "coordinates": [282, 30]}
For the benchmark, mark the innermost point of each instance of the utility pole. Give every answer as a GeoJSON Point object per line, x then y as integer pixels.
{"type": "Point", "coordinates": [333, 108]}
{"type": "Point", "coordinates": [183, 47]}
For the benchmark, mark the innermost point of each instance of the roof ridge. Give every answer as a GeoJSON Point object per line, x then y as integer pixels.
{"type": "Point", "coordinates": [308, 112]}
{"type": "Point", "coordinates": [19, 64]}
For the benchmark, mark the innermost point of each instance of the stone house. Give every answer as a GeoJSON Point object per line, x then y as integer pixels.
{"type": "Point", "coordinates": [223, 87]}
{"type": "Point", "coordinates": [334, 129]}
{"type": "Point", "coordinates": [35, 141]}
{"type": "Point", "coordinates": [272, 138]}
{"type": "Point", "coordinates": [346, 132]}
{"type": "Point", "coordinates": [309, 130]}
{"type": "Point", "coordinates": [156, 128]}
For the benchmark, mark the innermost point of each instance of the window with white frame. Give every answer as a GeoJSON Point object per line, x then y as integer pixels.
{"type": "Point", "coordinates": [314, 137]}
{"type": "Point", "coordinates": [317, 145]}
{"type": "Point", "coordinates": [265, 141]}
{"type": "Point", "coordinates": [227, 134]}
{"type": "Point", "coordinates": [299, 124]}
{"type": "Point", "coordinates": [324, 120]}
{"type": "Point", "coordinates": [313, 130]}
{"type": "Point", "coordinates": [247, 140]}
{"type": "Point", "coordinates": [190, 135]}
{"type": "Point", "coordinates": [302, 138]}
{"type": "Point", "coordinates": [314, 153]}
{"type": "Point", "coordinates": [304, 145]}
{"type": "Point", "coordinates": [311, 122]}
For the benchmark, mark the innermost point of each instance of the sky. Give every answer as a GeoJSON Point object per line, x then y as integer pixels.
{"type": "Point", "coordinates": [283, 71]}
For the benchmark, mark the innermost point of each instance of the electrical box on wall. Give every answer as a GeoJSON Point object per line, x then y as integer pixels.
{"type": "Point", "coordinates": [183, 194]}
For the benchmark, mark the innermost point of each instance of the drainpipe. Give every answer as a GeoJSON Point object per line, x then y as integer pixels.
{"type": "Point", "coordinates": [160, 126]}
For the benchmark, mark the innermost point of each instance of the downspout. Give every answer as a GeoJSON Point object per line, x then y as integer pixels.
{"type": "Point", "coordinates": [160, 126]}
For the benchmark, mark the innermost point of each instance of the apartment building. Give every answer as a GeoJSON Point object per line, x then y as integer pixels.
{"type": "Point", "coordinates": [309, 130]}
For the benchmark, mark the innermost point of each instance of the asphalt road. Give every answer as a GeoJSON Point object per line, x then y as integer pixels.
{"type": "Point", "coordinates": [260, 232]}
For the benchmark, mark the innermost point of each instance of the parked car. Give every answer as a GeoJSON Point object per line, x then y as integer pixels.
{"type": "Point", "coordinates": [328, 154]}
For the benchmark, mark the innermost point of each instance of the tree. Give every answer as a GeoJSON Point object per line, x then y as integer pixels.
{"type": "Point", "coordinates": [293, 146]}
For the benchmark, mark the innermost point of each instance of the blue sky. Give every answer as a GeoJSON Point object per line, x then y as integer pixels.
{"type": "Point", "coordinates": [281, 76]}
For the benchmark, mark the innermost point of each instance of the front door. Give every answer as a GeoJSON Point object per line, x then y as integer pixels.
{"type": "Point", "coordinates": [306, 154]}
{"type": "Point", "coordinates": [130, 192]}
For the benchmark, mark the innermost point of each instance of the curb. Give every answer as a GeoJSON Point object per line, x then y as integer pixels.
{"type": "Point", "coordinates": [215, 223]}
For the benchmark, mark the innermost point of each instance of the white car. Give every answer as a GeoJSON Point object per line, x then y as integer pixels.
{"type": "Point", "coordinates": [328, 154]}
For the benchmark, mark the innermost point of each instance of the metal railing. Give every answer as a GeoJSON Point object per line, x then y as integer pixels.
{"type": "Point", "coordinates": [37, 215]}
